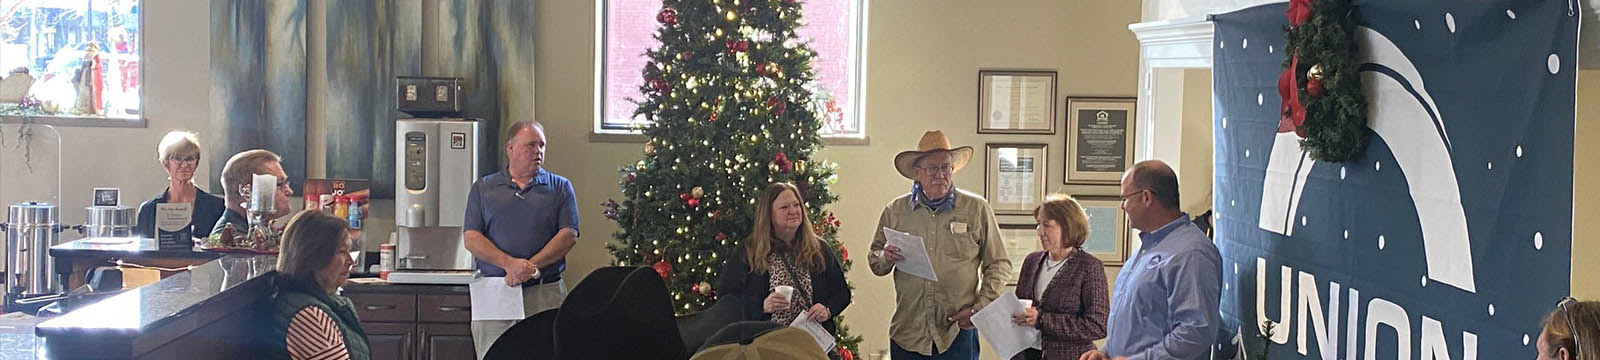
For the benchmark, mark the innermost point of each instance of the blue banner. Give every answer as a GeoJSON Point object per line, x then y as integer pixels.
{"type": "Point", "coordinates": [1450, 237]}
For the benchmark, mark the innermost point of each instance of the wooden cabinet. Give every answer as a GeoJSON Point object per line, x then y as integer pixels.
{"type": "Point", "coordinates": [391, 340]}
{"type": "Point", "coordinates": [446, 341]}
{"type": "Point", "coordinates": [415, 322]}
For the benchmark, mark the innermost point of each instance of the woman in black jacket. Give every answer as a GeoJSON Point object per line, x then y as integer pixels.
{"type": "Point", "coordinates": [782, 250]}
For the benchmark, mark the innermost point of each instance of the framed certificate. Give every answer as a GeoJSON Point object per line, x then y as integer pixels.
{"type": "Point", "coordinates": [1021, 240]}
{"type": "Point", "coordinates": [1016, 102]}
{"type": "Point", "coordinates": [1014, 177]}
{"type": "Point", "coordinates": [1108, 228]}
{"type": "Point", "coordinates": [1099, 139]}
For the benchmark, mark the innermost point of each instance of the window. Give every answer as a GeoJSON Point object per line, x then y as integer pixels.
{"type": "Point", "coordinates": [74, 58]}
{"type": "Point", "coordinates": [833, 27]}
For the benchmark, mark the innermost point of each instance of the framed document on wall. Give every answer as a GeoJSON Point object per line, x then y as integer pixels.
{"type": "Point", "coordinates": [1099, 139]}
{"type": "Point", "coordinates": [1021, 240]}
{"type": "Point", "coordinates": [1108, 228]}
{"type": "Point", "coordinates": [1014, 177]}
{"type": "Point", "coordinates": [1016, 102]}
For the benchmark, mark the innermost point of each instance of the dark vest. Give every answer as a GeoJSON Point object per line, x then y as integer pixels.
{"type": "Point", "coordinates": [291, 299]}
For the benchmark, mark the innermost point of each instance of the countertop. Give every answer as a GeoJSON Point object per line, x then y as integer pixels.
{"type": "Point", "coordinates": [112, 247]}
{"type": "Point", "coordinates": [158, 312]}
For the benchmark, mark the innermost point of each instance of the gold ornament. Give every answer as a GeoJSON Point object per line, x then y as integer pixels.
{"type": "Point", "coordinates": [649, 148]}
{"type": "Point", "coordinates": [1315, 73]}
{"type": "Point", "coordinates": [697, 192]}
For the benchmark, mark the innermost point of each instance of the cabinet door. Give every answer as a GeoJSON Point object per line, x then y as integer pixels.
{"type": "Point", "coordinates": [392, 340]}
{"type": "Point", "coordinates": [446, 341]}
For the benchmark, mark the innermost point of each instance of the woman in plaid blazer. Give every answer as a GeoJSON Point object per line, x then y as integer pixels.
{"type": "Point", "coordinates": [1067, 285]}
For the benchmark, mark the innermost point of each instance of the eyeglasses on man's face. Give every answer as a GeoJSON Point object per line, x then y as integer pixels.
{"type": "Point", "coordinates": [937, 169]}
{"type": "Point", "coordinates": [1135, 192]}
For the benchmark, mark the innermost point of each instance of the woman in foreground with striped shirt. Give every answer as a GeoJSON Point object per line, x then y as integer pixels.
{"type": "Point", "coordinates": [310, 320]}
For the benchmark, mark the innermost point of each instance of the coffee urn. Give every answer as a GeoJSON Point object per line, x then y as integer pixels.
{"type": "Point", "coordinates": [31, 228]}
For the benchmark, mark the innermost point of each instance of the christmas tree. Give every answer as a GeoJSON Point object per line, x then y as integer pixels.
{"type": "Point", "coordinates": [732, 108]}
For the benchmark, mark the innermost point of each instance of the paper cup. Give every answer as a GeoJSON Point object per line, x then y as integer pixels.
{"type": "Point", "coordinates": [785, 290]}
{"type": "Point", "coordinates": [1026, 302]}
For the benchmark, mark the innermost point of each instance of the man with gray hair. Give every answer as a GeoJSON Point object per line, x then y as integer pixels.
{"type": "Point", "coordinates": [933, 319]}
{"type": "Point", "coordinates": [236, 182]}
{"type": "Point", "coordinates": [520, 223]}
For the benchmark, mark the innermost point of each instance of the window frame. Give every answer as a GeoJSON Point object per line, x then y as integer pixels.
{"type": "Point", "coordinates": [603, 131]}
{"type": "Point", "coordinates": [138, 121]}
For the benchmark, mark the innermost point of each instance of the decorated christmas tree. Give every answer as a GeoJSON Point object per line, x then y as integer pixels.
{"type": "Point", "coordinates": [732, 106]}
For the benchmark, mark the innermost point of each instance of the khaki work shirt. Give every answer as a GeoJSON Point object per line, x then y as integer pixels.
{"type": "Point", "coordinates": [961, 242]}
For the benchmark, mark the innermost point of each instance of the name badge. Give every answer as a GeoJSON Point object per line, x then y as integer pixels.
{"type": "Point", "coordinates": [958, 227]}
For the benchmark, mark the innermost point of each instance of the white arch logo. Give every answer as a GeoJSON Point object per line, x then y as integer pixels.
{"type": "Point", "coordinates": [1400, 111]}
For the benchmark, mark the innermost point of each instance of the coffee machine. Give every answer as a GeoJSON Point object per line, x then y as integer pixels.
{"type": "Point", "coordinates": [436, 161]}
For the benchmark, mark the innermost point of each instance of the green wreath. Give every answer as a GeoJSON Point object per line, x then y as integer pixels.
{"type": "Point", "coordinates": [1321, 83]}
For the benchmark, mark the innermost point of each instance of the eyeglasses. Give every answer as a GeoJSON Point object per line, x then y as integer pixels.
{"type": "Point", "coordinates": [1135, 192]}
{"type": "Point", "coordinates": [284, 183]}
{"type": "Point", "coordinates": [942, 169]}
{"type": "Point", "coordinates": [186, 160]}
{"type": "Point", "coordinates": [1576, 348]}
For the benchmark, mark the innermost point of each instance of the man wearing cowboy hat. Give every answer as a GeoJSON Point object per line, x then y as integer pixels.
{"type": "Point", "coordinates": [932, 320]}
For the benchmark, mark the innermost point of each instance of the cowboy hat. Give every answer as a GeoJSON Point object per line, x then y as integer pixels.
{"type": "Point", "coordinates": [760, 340]}
{"type": "Point", "coordinates": [932, 141]}
{"type": "Point", "coordinates": [618, 313]}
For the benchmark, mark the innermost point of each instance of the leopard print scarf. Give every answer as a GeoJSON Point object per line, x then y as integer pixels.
{"type": "Point", "coordinates": [785, 271]}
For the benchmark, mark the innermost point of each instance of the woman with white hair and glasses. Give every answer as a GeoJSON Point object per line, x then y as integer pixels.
{"type": "Point", "coordinates": [1570, 331]}
{"type": "Point", "coordinates": [179, 154]}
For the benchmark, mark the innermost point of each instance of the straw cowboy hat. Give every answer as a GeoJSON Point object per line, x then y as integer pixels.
{"type": "Point", "coordinates": [932, 142]}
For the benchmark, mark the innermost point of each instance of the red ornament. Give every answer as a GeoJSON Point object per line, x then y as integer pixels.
{"type": "Point", "coordinates": [778, 106]}
{"type": "Point", "coordinates": [744, 46]}
{"type": "Point", "coordinates": [844, 353]}
{"type": "Point", "coordinates": [631, 176]}
{"type": "Point", "coordinates": [783, 162]}
{"type": "Point", "coordinates": [662, 268]}
{"type": "Point", "coordinates": [694, 202]}
{"type": "Point", "coordinates": [1314, 87]}
{"type": "Point", "coordinates": [1291, 114]}
{"type": "Point", "coordinates": [668, 16]}
{"type": "Point", "coordinates": [661, 85]}
{"type": "Point", "coordinates": [685, 56]}
{"type": "Point", "coordinates": [684, 196]}
{"type": "Point", "coordinates": [695, 288]}
{"type": "Point", "coordinates": [844, 254]}
{"type": "Point", "coordinates": [732, 45]}
{"type": "Point", "coordinates": [722, 236]}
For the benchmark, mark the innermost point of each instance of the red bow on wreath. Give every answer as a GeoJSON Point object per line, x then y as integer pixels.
{"type": "Point", "coordinates": [1292, 115]}
{"type": "Point", "coordinates": [1299, 12]}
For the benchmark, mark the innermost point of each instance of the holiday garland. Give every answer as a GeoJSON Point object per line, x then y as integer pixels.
{"type": "Point", "coordinates": [1321, 84]}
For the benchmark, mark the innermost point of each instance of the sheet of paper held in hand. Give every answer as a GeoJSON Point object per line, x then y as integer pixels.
{"type": "Point", "coordinates": [995, 325]}
{"type": "Point", "coordinates": [916, 262]}
{"type": "Point", "coordinates": [802, 322]}
{"type": "Point", "coordinates": [493, 300]}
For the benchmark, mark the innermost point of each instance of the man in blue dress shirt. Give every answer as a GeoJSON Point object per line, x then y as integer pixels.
{"type": "Point", "coordinates": [1165, 302]}
{"type": "Point", "coordinates": [520, 224]}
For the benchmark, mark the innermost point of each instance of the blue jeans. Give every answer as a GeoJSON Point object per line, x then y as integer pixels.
{"type": "Point", "coordinates": [965, 347]}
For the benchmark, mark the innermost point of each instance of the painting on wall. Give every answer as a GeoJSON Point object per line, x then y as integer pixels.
{"type": "Point", "coordinates": [258, 82]}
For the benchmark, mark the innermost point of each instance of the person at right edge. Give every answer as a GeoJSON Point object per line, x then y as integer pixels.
{"type": "Point", "coordinates": [1165, 305]}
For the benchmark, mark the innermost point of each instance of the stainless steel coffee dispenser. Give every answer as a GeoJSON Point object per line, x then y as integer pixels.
{"type": "Point", "coordinates": [31, 228]}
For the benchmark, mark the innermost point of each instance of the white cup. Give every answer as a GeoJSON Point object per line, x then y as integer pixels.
{"type": "Point", "coordinates": [785, 290]}
{"type": "Point", "coordinates": [1026, 302]}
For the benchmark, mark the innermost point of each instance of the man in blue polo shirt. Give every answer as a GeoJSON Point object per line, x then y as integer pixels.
{"type": "Point", "coordinates": [520, 224]}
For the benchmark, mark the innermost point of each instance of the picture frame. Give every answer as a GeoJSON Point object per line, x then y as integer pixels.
{"type": "Point", "coordinates": [1099, 138]}
{"type": "Point", "coordinates": [1108, 228]}
{"type": "Point", "coordinates": [1016, 102]}
{"type": "Point", "coordinates": [1014, 176]}
{"type": "Point", "coordinates": [1020, 240]}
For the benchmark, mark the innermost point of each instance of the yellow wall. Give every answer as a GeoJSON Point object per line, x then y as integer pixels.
{"type": "Point", "coordinates": [1585, 179]}
{"type": "Point", "coordinates": [922, 64]}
